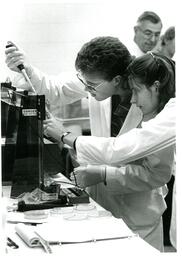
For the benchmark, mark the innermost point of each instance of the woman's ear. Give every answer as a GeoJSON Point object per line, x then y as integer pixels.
{"type": "Point", "coordinates": [156, 85]}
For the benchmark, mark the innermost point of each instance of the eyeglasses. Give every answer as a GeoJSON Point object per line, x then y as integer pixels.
{"type": "Point", "coordinates": [149, 34]}
{"type": "Point", "coordinates": [88, 86]}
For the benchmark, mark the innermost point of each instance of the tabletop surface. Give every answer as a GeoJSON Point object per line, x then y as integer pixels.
{"type": "Point", "coordinates": [78, 223]}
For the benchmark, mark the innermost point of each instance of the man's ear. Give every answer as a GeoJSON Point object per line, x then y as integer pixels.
{"type": "Point", "coordinates": [117, 79]}
{"type": "Point", "coordinates": [135, 28]}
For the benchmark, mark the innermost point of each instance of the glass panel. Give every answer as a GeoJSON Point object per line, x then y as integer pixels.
{"type": "Point", "coordinates": [22, 118]}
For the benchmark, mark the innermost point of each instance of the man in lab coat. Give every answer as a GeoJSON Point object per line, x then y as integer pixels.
{"type": "Point", "coordinates": [103, 53]}
{"type": "Point", "coordinates": [147, 33]}
{"type": "Point", "coordinates": [113, 59]}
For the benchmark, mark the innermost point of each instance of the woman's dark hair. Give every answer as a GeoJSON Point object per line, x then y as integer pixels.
{"type": "Point", "coordinates": [104, 55]}
{"type": "Point", "coordinates": [153, 67]}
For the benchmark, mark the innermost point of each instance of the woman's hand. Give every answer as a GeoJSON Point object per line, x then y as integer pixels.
{"type": "Point", "coordinates": [54, 128]}
{"type": "Point", "coordinates": [85, 176]}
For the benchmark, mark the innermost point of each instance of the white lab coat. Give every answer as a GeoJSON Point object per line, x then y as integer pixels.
{"type": "Point", "coordinates": [135, 192]}
{"type": "Point", "coordinates": [64, 90]}
{"type": "Point", "coordinates": [157, 132]}
{"type": "Point", "coordinates": [134, 49]}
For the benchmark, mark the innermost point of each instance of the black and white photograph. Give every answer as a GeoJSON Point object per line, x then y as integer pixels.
{"type": "Point", "coordinates": [89, 162]}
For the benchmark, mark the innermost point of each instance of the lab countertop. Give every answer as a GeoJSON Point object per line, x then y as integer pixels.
{"type": "Point", "coordinates": [79, 223]}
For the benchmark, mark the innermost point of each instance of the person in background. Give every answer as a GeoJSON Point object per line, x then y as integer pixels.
{"type": "Point", "coordinates": [135, 191]}
{"type": "Point", "coordinates": [147, 33]}
{"type": "Point", "coordinates": [166, 45]}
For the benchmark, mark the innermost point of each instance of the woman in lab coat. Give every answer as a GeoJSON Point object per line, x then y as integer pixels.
{"type": "Point", "coordinates": [64, 90]}
{"type": "Point", "coordinates": [135, 191]}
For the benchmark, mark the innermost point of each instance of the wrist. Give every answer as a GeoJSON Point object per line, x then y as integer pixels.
{"type": "Point", "coordinates": [29, 70]}
{"type": "Point", "coordinates": [63, 135]}
{"type": "Point", "coordinates": [69, 139]}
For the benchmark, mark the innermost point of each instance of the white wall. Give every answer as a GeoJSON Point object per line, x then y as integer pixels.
{"type": "Point", "coordinates": [52, 32]}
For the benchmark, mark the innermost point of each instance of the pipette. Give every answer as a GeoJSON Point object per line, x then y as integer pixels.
{"type": "Point", "coordinates": [22, 69]}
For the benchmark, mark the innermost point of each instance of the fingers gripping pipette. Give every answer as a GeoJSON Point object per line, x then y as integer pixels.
{"type": "Point", "coordinates": [22, 69]}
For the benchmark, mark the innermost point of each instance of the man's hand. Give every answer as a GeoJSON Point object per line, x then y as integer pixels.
{"type": "Point", "coordinates": [85, 176]}
{"type": "Point", "coordinates": [14, 57]}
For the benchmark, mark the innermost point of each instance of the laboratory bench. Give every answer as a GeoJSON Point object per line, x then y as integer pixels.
{"type": "Point", "coordinates": [82, 229]}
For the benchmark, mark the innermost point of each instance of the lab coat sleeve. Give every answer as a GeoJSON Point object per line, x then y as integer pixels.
{"type": "Point", "coordinates": [145, 174]}
{"type": "Point", "coordinates": [61, 89]}
{"type": "Point", "coordinates": [114, 151]}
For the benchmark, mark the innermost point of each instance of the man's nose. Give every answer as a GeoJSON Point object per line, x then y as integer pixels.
{"type": "Point", "coordinates": [153, 38]}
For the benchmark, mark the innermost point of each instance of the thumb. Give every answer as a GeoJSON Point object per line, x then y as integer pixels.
{"type": "Point", "coordinates": [12, 44]}
{"type": "Point", "coordinates": [48, 113]}
{"type": "Point", "coordinates": [80, 168]}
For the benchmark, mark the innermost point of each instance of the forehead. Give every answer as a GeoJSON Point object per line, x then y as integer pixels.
{"type": "Point", "coordinates": [93, 77]}
{"type": "Point", "coordinates": [135, 83]}
{"type": "Point", "coordinates": [148, 25]}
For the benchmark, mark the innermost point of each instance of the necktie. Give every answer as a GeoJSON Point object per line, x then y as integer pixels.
{"type": "Point", "coordinates": [119, 113]}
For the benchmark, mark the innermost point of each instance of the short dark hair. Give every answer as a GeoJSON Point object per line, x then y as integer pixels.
{"type": "Point", "coordinates": [151, 16]}
{"type": "Point", "coordinates": [168, 35]}
{"type": "Point", "coordinates": [105, 55]}
{"type": "Point", "coordinates": [153, 67]}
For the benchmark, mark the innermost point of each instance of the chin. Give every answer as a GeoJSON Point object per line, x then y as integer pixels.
{"type": "Point", "coordinates": [149, 48]}
{"type": "Point", "coordinates": [99, 98]}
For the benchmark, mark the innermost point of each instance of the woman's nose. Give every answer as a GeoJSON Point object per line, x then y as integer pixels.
{"type": "Point", "coordinates": [87, 89]}
{"type": "Point", "coordinates": [133, 99]}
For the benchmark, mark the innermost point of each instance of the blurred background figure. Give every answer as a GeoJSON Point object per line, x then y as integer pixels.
{"type": "Point", "coordinates": [166, 45]}
{"type": "Point", "coordinates": [147, 33]}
